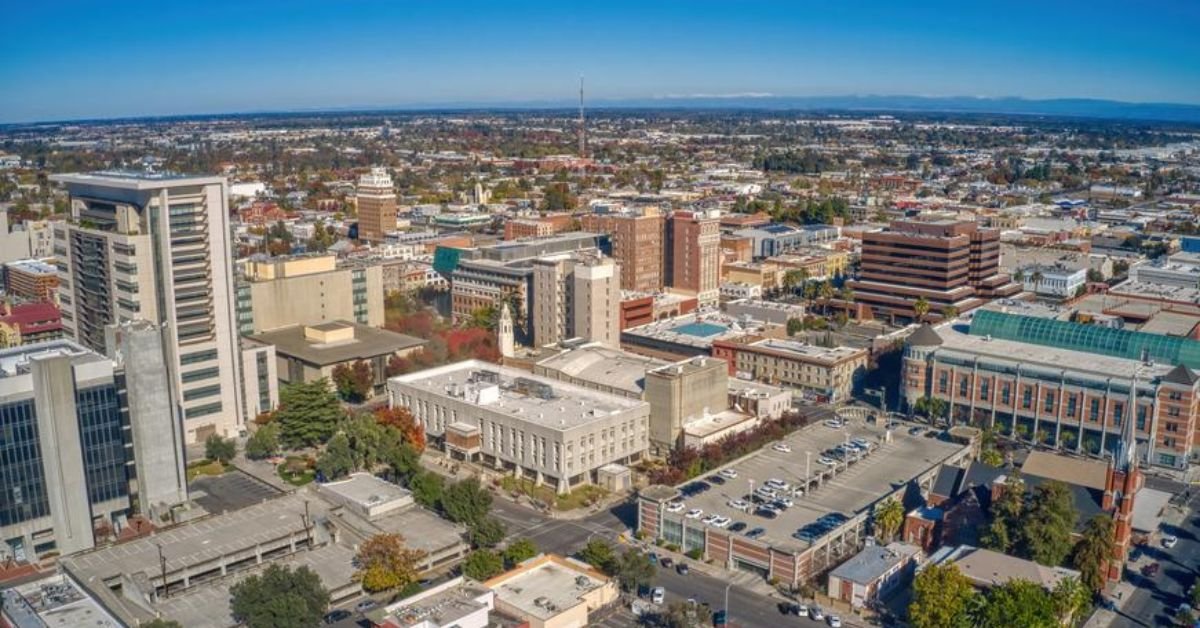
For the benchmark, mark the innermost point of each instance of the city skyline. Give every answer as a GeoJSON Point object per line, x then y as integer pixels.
{"type": "Point", "coordinates": [224, 58]}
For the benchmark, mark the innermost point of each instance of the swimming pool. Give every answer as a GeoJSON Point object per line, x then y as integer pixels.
{"type": "Point", "coordinates": [700, 330]}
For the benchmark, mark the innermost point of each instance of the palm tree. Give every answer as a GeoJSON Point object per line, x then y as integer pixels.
{"type": "Point", "coordinates": [920, 308]}
{"type": "Point", "coordinates": [1037, 278]}
{"type": "Point", "coordinates": [949, 312]}
{"type": "Point", "coordinates": [826, 292]}
{"type": "Point", "coordinates": [1094, 550]}
{"type": "Point", "coordinates": [802, 277]}
{"type": "Point", "coordinates": [1019, 276]}
{"type": "Point", "coordinates": [889, 516]}
{"type": "Point", "coordinates": [1071, 598]}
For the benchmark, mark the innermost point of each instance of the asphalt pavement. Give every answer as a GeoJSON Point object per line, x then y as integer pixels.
{"type": "Point", "coordinates": [1155, 599]}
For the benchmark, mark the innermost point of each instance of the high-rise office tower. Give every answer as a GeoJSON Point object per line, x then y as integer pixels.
{"type": "Point", "coordinates": [948, 263]}
{"type": "Point", "coordinates": [156, 247]}
{"type": "Point", "coordinates": [63, 467]}
{"type": "Point", "coordinates": [576, 296]}
{"type": "Point", "coordinates": [376, 199]}
{"type": "Point", "coordinates": [637, 245]}
{"type": "Point", "coordinates": [693, 255]}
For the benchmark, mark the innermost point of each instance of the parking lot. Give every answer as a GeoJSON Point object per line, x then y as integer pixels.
{"type": "Point", "coordinates": [230, 491]}
{"type": "Point", "coordinates": [847, 486]}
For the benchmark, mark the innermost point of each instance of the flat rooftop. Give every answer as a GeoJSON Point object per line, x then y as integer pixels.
{"type": "Point", "coordinates": [697, 330]}
{"type": "Point", "coordinates": [368, 342]}
{"type": "Point", "coordinates": [527, 397]}
{"type": "Point", "coordinates": [366, 489]}
{"type": "Point", "coordinates": [955, 338]}
{"type": "Point", "coordinates": [597, 363]}
{"type": "Point", "coordinates": [54, 602]}
{"type": "Point", "coordinates": [805, 351]}
{"type": "Point", "coordinates": [135, 179]}
{"type": "Point", "coordinates": [849, 492]}
{"type": "Point", "coordinates": [544, 586]}
{"type": "Point", "coordinates": [443, 608]}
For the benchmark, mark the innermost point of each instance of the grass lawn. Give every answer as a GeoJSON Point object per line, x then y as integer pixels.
{"type": "Point", "coordinates": [545, 494]}
{"type": "Point", "coordinates": [204, 467]}
{"type": "Point", "coordinates": [294, 470]}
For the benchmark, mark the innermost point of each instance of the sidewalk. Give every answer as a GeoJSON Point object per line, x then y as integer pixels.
{"type": "Point", "coordinates": [262, 471]}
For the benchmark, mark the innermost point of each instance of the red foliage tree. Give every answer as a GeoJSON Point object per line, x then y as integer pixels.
{"type": "Point", "coordinates": [403, 420]}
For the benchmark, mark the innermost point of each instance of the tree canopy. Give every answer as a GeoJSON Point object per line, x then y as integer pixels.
{"type": "Point", "coordinates": [308, 413]}
{"type": "Point", "coordinates": [519, 551]}
{"type": "Point", "coordinates": [354, 381]}
{"type": "Point", "coordinates": [221, 449]}
{"type": "Point", "coordinates": [599, 554]}
{"type": "Point", "coordinates": [466, 502]}
{"type": "Point", "coordinates": [634, 570]}
{"type": "Point", "coordinates": [941, 598]}
{"type": "Point", "coordinates": [280, 597]}
{"type": "Point", "coordinates": [264, 442]}
{"type": "Point", "coordinates": [387, 563]}
{"type": "Point", "coordinates": [1094, 550]}
{"type": "Point", "coordinates": [483, 564]}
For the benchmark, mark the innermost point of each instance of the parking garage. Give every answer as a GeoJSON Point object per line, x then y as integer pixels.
{"type": "Point", "coordinates": [828, 502]}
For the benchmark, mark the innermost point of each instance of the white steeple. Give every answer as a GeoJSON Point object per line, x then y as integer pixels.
{"type": "Point", "coordinates": [505, 332]}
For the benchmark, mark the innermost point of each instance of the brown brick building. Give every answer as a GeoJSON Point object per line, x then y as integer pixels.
{"type": "Point", "coordinates": [637, 245]}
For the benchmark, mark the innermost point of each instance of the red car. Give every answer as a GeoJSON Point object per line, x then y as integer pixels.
{"type": "Point", "coordinates": [1150, 570]}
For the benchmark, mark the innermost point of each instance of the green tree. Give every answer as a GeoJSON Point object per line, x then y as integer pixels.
{"type": "Point", "coordinates": [1048, 524]}
{"type": "Point", "coordinates": [280, 597]}
{"type": "Point", "coordinates": [483, 564]}
{"type": "Point", "coordinates": [599, 554]}
{"type": "Point", "coordinates": [426, 488]}
{"type": "Point", "coordinates": [519, 551]}
{"type": "Point", "coordinates": [337, 461]}
{"type": "Point", "coordinates": [466, 502]}
{"type": "Point", "coordinates": [1037, 277]}
{"type": "Point", "coordinates": [1072, 599]}
{"type": "Point", "coordinates": [634, 570]}
{"type": "Point", "coordinates": [1185, 617]}
{"type": "Point", "coordinates": [889, 516]}
{"type": "Point", "coordinates": [354, 381]}
{"type": "Point", "coordinates": [1018, 603]}
{"type": "Point", "coordinates": [920, 308]}
{"type": "Point", "coordinates": [308, 413]}
{"type": "Point", "coordinates": [1094, 550]}
{"type": "Point", "coordinates": [1003, 532]}
{"type": "Point", "coordinates": [386, 563]}
{"type": "Point", "coordinates": [795, 326]}
{"type": "Point", "coordinates": [159, 622]}
{"type": "Point", "coordinates": [222, 449]}
{"type": "Point", "coordinates": [264, 442]}
{"type": "Point", "coordinates": [949, 312]}
{"type": "Point", "coordinates": [941, 598]}
{"type": "Point", "coordinates": [487, 532]}
{"type": "Point", "coordinates": [1094, 275]}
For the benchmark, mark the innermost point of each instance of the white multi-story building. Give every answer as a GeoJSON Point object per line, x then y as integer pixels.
{"type": "Point", "coordinates": [576, 296]}
{"type": "Point", "coordinates": [1058, 281]}
{"type": "Point", "coordinates": [156, 247]}
{"type": "Point", "coordinates": [544, 430]}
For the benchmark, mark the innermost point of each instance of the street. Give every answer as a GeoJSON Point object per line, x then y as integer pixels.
{"type": "Point", "coordinates": [1156, 599]}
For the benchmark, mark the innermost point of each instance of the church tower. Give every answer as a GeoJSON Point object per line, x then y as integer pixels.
{"type": "Point", "coordinates": [505, 332]}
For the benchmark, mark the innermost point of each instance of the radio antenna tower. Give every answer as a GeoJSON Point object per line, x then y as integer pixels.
{"type": "Point", "coordinates": [582, 127]}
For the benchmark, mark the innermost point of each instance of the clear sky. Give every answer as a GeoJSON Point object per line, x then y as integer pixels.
{"type": "Point", "coordinates": [65, 59]}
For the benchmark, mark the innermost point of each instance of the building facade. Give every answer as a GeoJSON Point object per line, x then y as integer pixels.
{"type": "Point", "coordinates": [637, 245]}
{"type": "Point", "coordinates": [576, 296]}
{"type": "Point", "coordinates": [157, 247]}
{"type": "Point", "coordinates": [829, 374]}
{"type": "Point", "coordinates": [31, 279]}
{"type": "Point", "coordinates": [693, 254]}
{"type": "Point", "coordinates": [1062, 384]}
{"type": "Point", "coordinates": [1056, 281]}
{"type": "Point", "coordinates": [948, 263]}
{"type": "Point", "coordinates": [376, 201]}
{"type": "Point", "coordinates": [281, 292]}
{"type": "Point", "coordinates": [546, 431]}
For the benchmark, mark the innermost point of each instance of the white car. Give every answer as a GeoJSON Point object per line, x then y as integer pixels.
{"type": "Point", "coordinates": [778, 484]}
{"type": "Point", "coordinates": [694, 513]}
{"type": "Point", "coordinates": [834, 423]}
{"type": "Point", "coordinates": [674, 507]}
{"type": "Point", "coordinates": [802, 609]}
{"type": "Point", "coordinates": [860, 441]}
{"type": "Point", "coordinates": [764, 492]}
{"type": "Point", "coordinates": [784, 501]}
{"type": "Point", "coordinates": [1169, 541]}
{"type": "Point", "coordinates": [737, 504]}
{"type": "Point", "coordinates": [829, 462]}
{"type": "Point", "coordinates": [835, 621]}
{"type": "Point", "coordinates": [782, 448]}
{"type": "Point", "coordinates": [728, 473]}
{"type": "Point", "coordinates": [710, 519]}
{"type": "Point", "coordinates": [816, 613]}
{"type": "Point", "coordinates": [721, 522]}
{"type": "Point", "coordinates": [658, 595]}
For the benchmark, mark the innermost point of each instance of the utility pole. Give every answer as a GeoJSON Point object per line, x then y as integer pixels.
{"type": "Point", "coordinates": [162, 565]}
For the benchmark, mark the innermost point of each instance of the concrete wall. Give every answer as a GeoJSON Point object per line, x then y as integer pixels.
{"type": "Point", "coordinates": [62, 452]}
{"type": "Point", "coordinates": [684, 390]}
{"type": "Point", "coordinates": [315, 298]}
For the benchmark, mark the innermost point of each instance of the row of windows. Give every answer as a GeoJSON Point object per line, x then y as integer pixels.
{"type": "Point", "coordinates": [199, 375]}
{"type": "Point", "coordinates": [205, 410]}
{"type": "Point", "coordinates": [198, 356]}
{"type": "Point", "coordinates": [201, 393]}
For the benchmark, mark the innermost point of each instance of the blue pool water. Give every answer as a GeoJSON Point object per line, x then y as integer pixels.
{"type": "Point", "coordinates": [700, 330]}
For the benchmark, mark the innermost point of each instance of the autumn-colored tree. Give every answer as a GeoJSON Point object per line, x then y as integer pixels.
{"type": "Point", "coordinates": [386, 563]}
{"type": "Point", "coordinates": [402, 419]}
{"type": "Point", "coordinates": [354, 382]}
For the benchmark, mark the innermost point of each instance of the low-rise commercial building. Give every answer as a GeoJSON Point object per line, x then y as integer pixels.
{"type": "Point", "coordinates": [540, 429]}
{"type": "Point", "coordinates": [1057, 281]}
{"type": "Point", "coordinates": [307, 353]}
{"type": "Point", "coordinates": [872, 574]}
{"type": "Point", "coordinates": [29, 323]}
{"type": "Point", "coordinates": [549, 591]}
{"type": "Point", "coordinates": [455, 603]}
{"type": "Point", "coordinates": [829, 373]}
{"type": "Point", "coordinates": [31, 279]}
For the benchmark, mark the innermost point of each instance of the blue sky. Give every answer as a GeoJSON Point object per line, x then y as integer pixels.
{"type": "Point", "coordinates": [62, 59]}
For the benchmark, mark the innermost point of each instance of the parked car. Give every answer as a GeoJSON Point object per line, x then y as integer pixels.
{"type": "Point", "coordinates": [652, 557]}
{"type": "Point", "coordinates": [721, 522]}
{"type": "Point", "coordinates": [1150, 570]}
{"type": "Point", "coordinates": [829, 462]}
{"type": "Point", "coordinates": [782, 448]}
{"type": "Point", "coordinates": [802, 609]}
{"type": "Point", "coordinates": [737, 526]}
{"type": "Point", "coordinates": [834, 423]}
{"type": "Point", "coordinates": [694, 513]}
{"type": "Point", "coordinates": [766, 512]}
{"type": "Point", "coordinates": [835, 621]}
{"type": "Point", "coordinates": [816, 613]}
{"type": "Point", "coordinates": [755, 533]}
{"type": "Point", "coordinates": [666, 562]}
{"type": "Point", "coordinates": [783, 503]}
{"type": "Point", "coordinates": [1169, 541]}
{"type": "Point", "coordinates": [681, 568]}
{"type": "Point", "coordinates": [738, 504]}
{"type": "Point", "coordinates": [730, 474]}
{"type": "Point", "coordinates": [714, 479]}
{"type": "Point", "coordinates": [674, 507]}
{"type": "Point", "coordinates": [913, 431]}
{"type": "Point", "coordinates": [365, 605]}
{"type": "Point", "coordinates": [710, 519]}
{"type": "Point", "coordinates": [658, 595]}
{"type": "Point", "coordinates": [334, 616]}
{"type": "Point", "coordinates": [778, 484]}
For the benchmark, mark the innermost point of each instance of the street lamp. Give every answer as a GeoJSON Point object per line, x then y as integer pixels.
{"type": "Point", "coordinates": [726, 607]}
